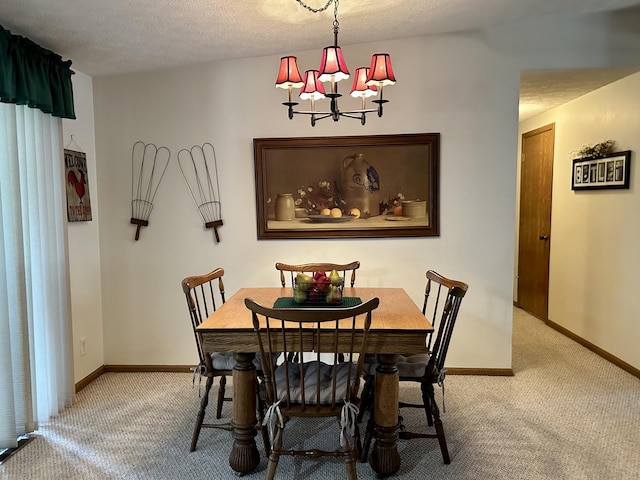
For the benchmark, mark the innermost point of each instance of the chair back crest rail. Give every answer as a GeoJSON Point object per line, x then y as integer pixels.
{"type": "Point", "coordinates": [315, 267]}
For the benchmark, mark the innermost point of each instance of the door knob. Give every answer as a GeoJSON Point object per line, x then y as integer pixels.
{"type": "Point", "coordinates": [544, 237]}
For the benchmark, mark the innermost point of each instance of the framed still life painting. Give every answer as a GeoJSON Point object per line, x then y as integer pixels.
{"type": "Point", "coordinates": [357, 186]}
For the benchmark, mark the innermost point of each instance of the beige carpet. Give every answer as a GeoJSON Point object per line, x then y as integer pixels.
{"type": "Point", "coordinates": [566, 414]}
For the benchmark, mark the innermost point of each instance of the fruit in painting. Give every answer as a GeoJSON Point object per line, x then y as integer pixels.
{"type": "Point", "coordinates": [397, 211]}
{"type": "Point", "coordinates": [325, 211]}
{"type": "Point", "coordinates": [303, 281]}
{"type": "Point", "coordinates": [335, 278]}
{"type": "Point", "coordinates": [333, 294]}
{"type": "Point", "coordinates": [336, 212]}
{"type": "Point", "coordinates": [355, 212]}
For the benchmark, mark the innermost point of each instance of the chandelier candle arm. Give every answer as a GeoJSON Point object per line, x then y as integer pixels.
{"type": "Point", "coordinates": [368, 82]}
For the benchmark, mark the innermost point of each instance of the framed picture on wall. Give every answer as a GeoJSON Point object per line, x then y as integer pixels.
{"type": "Point", "coordinates": [609, 171]}
{"type": "Point", "coordinates": [77, 186]}
{"type": "Point", "coordinates": [358, 186]}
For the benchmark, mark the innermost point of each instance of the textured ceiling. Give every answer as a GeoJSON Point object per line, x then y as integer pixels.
{"type": "Point", "coordinates": [542, 90]}
{"type": "Point", "coordinates": [108, 37]}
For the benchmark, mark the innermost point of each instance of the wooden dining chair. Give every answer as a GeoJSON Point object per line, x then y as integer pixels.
{"type": "Point", "coordinates": [312, 389]}
{"type": "Point", "coordinates": [442, 299]}
{"type": "Point", "coordinates": [204, 294]}
{"type": "Point", "coordinates": [311, 268]}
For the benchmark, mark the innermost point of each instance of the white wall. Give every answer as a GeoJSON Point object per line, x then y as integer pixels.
{"type": "Point", "coordinates": [463, 86]}
{"type": "Point", "coordinates": [594, 234]}
{"type": "Point", "coordinates": [84, 246]}
{"type": "Point", "coordinates": [229, 104]}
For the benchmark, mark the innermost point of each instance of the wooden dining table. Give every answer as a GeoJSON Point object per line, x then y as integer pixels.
{"type": "Point", "coordinates": [397, 325]}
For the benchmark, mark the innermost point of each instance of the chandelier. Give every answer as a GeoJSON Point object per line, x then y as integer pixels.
{"type": "Point", "coordinates": [367, 81]}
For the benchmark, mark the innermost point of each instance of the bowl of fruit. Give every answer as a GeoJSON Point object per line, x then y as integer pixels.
{"type": "Point", "coordinates": [319, 289]}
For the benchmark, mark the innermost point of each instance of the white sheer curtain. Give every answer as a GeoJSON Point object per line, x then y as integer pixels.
{"type": "Point", "coordinates": [36, 361]}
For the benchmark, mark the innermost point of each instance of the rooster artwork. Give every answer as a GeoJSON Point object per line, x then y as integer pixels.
{"type": "Point", "coordinates": [78, 200]}
{"type": "Point", "coordinates": [77, 183]}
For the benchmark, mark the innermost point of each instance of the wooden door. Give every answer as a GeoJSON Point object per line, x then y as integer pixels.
{"type": "Point", "coordinates": [535, 221]}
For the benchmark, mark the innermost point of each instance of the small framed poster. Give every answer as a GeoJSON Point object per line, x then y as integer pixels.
{"type": "Point", "coordinates": [609, 171]}
{"type": "Point", "coordinates": [77, 185]}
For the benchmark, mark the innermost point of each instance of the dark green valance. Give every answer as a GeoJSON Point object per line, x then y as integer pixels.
{"type": "Point", "coordinates": [34, 76]}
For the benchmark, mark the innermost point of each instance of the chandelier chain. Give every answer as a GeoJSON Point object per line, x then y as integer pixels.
{"type": "Point", "coordinates": [317, 10]}
{"type": "Point", "coordinates": [322, 9]}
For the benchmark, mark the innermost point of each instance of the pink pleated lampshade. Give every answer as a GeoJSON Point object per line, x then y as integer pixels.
{"type": "Point", "coordinates": [289, 75]}
{"type": "Point", "coordinates": [313, 88]}
{"type": "Point", "coordinates": [360, 87]}
{"type": "Point", "coordinates": [380, 71]}
{"type": "Point", "coordinates": [333, 65]}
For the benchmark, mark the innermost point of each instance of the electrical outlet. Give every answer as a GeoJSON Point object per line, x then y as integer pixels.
{"type": "Point", "coordinates": [83, 346]}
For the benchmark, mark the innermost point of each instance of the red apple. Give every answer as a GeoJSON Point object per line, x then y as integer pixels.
{"type": "Point", "coordinates": [321, 281]}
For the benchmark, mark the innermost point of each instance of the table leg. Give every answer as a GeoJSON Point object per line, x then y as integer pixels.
{"type": "Point", "coordinates": [385, 459]}
{"type": "Point", "coordinates": [244, 456]}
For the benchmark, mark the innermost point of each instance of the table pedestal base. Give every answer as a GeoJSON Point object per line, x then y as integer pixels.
{"type": "Point", "coordinates": [244, 456]}
{"type": "Point", "coordinates": [385, 460]}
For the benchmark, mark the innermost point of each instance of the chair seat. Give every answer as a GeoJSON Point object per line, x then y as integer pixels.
{"type": "Point", "coordinates": [225, 361]}
{"type": "Point", "coordinates": [408, 365]}
{"type": "Point", "coordinates": [222, 361]}
{"type": "Point", "coordinates": [310, 381]}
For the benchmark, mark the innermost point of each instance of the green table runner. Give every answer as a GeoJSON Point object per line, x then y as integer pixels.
{"type": "Point", "coordinates": [287, 302]}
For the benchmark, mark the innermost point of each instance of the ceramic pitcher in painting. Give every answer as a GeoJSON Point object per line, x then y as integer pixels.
{"type": "Point", "coordinates": [360, 185]}
{"type": "Point", "coordinates": [285, 208]}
